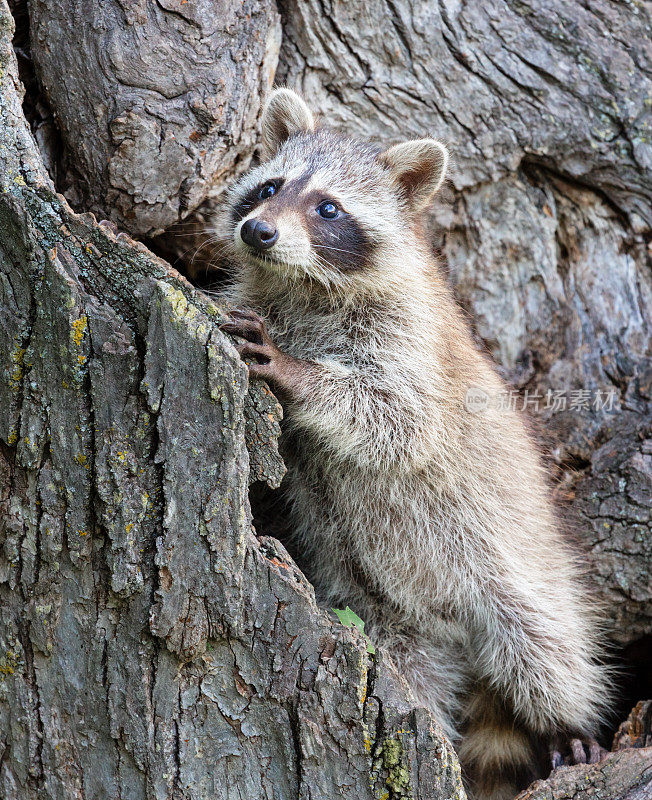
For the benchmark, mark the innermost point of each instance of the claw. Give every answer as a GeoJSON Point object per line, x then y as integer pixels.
{"type": "Point", "coordinates": [108, 225]}
{"type": "Point", "coordinates": [247, 329]}
{"type": "Point", "coordinates": [257, 351]}
{"type": "Point", "coordinates": [264, 359]}
{"type": "Point", "coordinates": [596, 753]}
{"type": "Point", "coordinates": [248, 325]}
{"type": "Point", "coordinates": [244, 313]}
{"type": "Point", "coordinates": [577, 749]}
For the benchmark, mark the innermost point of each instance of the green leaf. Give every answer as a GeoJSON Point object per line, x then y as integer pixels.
{"type": "Point", "coordinates": [350, 619]}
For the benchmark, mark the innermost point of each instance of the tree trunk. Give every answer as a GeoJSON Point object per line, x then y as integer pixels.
{"type": "Point", "coordinates": [151, 644]}
{"type": "Point", "coordinates": [157, 103]}
{"type": "Point", "coordinates": [626, 775]}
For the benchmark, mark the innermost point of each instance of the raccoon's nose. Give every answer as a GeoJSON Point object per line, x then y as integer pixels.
{"type": "Point", "coordinates": [258, 233]}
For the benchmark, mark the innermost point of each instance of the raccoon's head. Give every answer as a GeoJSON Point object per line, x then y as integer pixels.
{"type": "Point", "coordinates": [326, 208]}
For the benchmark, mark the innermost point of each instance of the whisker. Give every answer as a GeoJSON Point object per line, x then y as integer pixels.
{"type": "Point", "coordinates": [211, 241]}
{"type": "Point", "coordinates": [337, 249]}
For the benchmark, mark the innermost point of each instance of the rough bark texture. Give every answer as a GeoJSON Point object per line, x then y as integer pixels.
{"type": "Point", "coordinates": [565, 84]}
{"type": "Point", "coordinates": [157, 103]}
{"type": "Point", "coordinates": [636, 731]}
{"type": "Point", "coordinates": [545, 107]}
{"type": "Point", "coordinates": [626, 775]}
{"type": "Point", "coordinates": [151, 646]}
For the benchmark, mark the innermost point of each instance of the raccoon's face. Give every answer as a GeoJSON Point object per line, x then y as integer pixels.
{"type": "Point", "coordinates": [326, 208]}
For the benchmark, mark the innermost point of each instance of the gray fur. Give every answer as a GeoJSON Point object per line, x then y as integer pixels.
{"type": "Point", "coordinates": [433, 523]}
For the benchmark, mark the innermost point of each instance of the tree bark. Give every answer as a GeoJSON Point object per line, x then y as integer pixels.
{"type": "Point", "coordinates": [157, 103]}
{"type": "Point", "coordinates": [636, 731]}
{"type": "Point", "coordinates": [151, 646]}
{"type": "Point", "coordinates": [625, 775]}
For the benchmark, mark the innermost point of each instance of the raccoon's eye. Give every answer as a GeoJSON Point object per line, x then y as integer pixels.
{"type": "Point", "coordinates": [266, 191]}
{"type": "Point", "coordinates": [328, 210]}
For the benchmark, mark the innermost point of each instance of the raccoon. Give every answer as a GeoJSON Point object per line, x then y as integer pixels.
{"type": "Point", "coordinates": [435, 524]}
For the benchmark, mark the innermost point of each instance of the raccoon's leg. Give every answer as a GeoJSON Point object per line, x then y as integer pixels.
{"type": "Point", "coordinates": [348, 406]}
{"type": "Point", "coordinates": [496, 753]}
{"type": "Point", "coordinates": [534, 651]}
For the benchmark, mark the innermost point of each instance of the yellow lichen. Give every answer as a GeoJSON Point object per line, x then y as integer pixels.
{"type": "Point", "coordinates": [363, 682]}
{"type": "Point", "coordinates": [398, 776]}
{"type": "Point", "coordinates": [78, 329]}
{"type": "Point", "coordinates": [177, 300]}
{"type": "Point", "coordinates": [8, 664]}
{"type": "Point", "coordinates": [17, 372]}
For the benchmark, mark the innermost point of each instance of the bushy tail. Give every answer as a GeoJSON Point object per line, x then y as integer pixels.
{"type": "Point", "coordinates": [497, 754]}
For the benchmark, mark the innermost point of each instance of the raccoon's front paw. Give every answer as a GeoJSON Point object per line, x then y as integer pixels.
{"type": "Point", "coordinates": [270, 363]}
{"type": "Point", "coordinates": [576, 751]}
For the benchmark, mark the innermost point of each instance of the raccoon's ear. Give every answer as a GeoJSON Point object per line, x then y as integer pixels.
{"type": "Point", "coordinates": [419, 168]}
{"type": "Point", "coordinates": [285, 114]}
